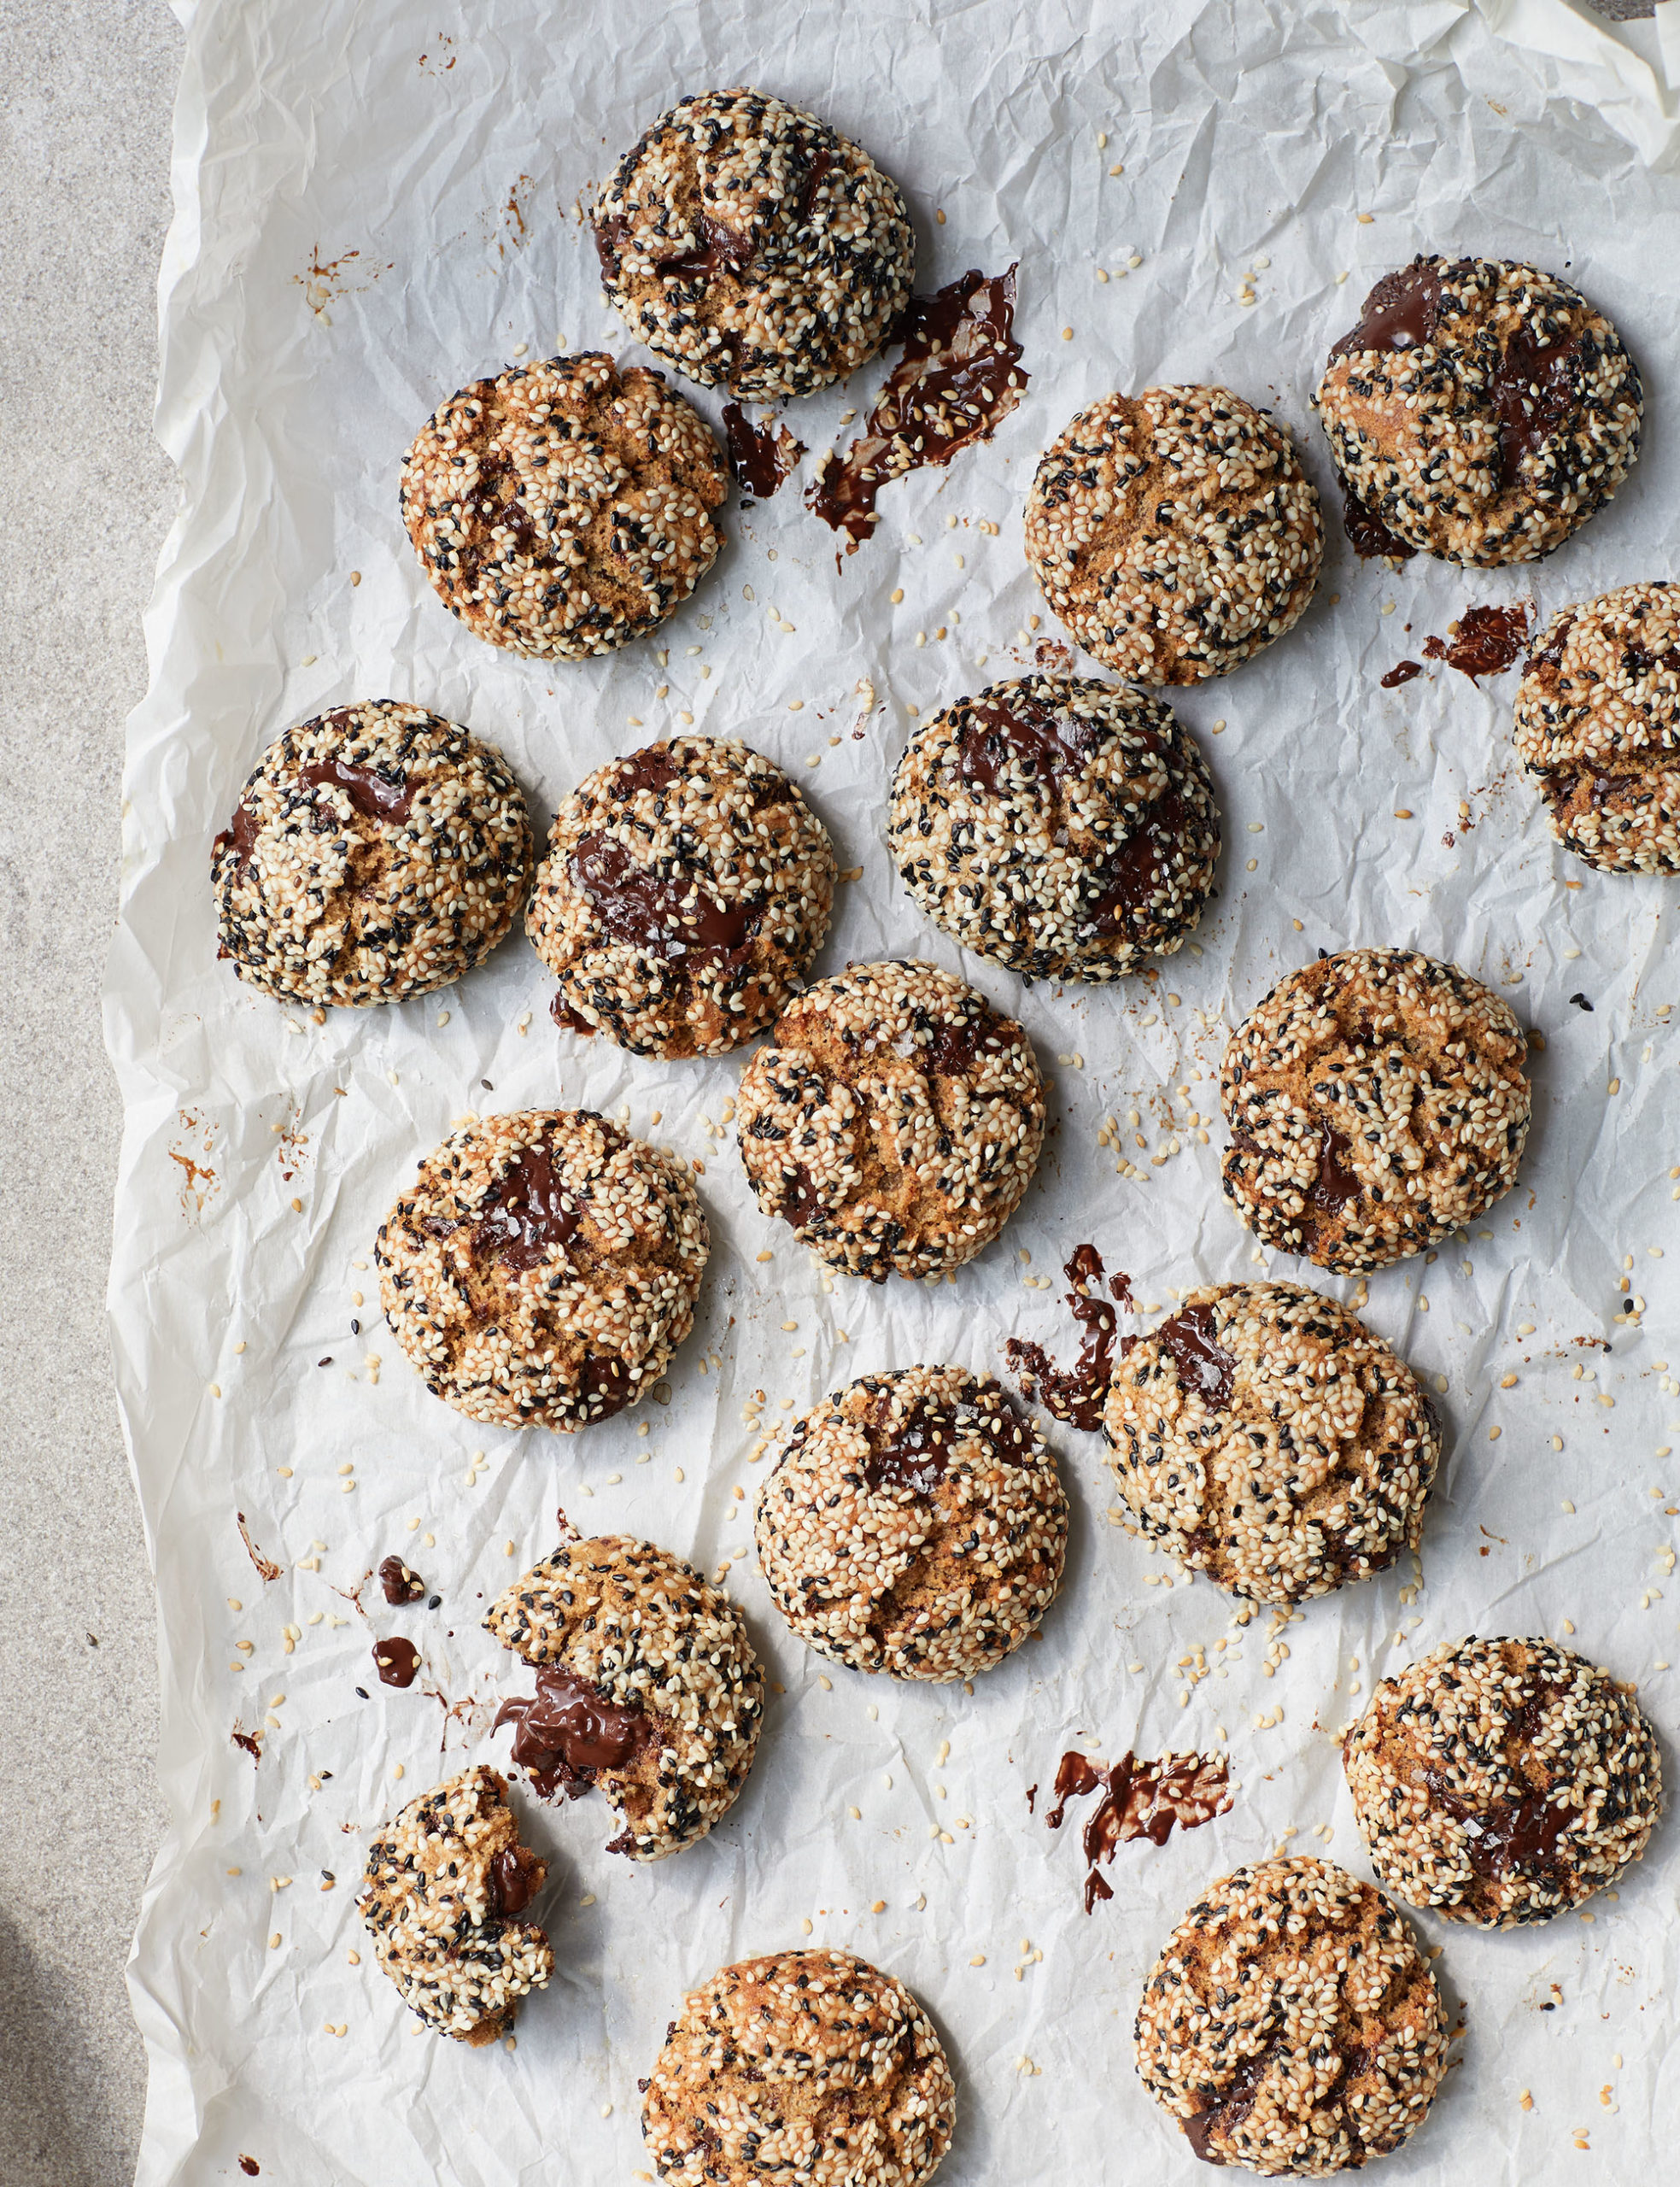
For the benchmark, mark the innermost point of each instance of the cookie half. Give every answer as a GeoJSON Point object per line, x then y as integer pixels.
{"type": "Point", "coordinates": [1291, 2025]}
{"type": "Point", "coordinates": [1500, 1782]}
{"type": "Point", "coordinates": [914, 1523]}
{"type": "Point", "coordinates": [1376, 1100]}
{"type": "Point", "coordinates": [753, 246]}
{"type": "Point", "coordinates": [1059, 826]}
{"type": "Point", "coordinates": [564, 508]}
{"type": "Point", "coordinates": [445, 1882]}
{"type": "Point", "coordinates": [376, 851]}
{"type": "Point", "coordinates": [1173, 533]}
{"type": "Point", "coordinates": [543, 1268]}
{"type": "Point", "coordinates": [806, 2064]}
{"type": "Point", "coordinates": [686, 890]}
{"type": "Point", "coordinates": [894, 1120]}
{"type": "Point", "coordinates": [647, 1688]}
{"type": "Point", "coordinates": [1598, 727]}
{"type": "Point", "coordinates": [1481, 409]}
{"type": "Point", "coordinates": [1263, 1435]}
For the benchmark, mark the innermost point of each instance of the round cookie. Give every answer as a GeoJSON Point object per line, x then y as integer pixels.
{"type": "Point", "coordinates": [647, 1687]}
{"type": "Point", "coordinates": [445, 1883]}
{"type": "Point", "coordinates": [811, 2063]}
{"type": "Point", "coordinates": [1501, 1782]}
{"type": "Point", "coordinates": [753, 246]}
{"type": "Point", "coordinates": [1058, 826]}
{"type": "Point", "coordinates": [894, 1120]}
{"type": "Point", "coordinates": [1480, 410]}
{"type": "Point", "coordinates": [543, 1268]}
{"type": "Point", "coordinates": [564, 508]}
{"type": "Point", "coordinates": [914, 1524]}
{"type": "Point", "coordinates": [1598, 727]}
{"type": "Point", "coordinates": [686, 890]}
{"type": "Point", "coordinates": [1263, 1435]}
{"type": "Point", "coordinates": [1291, 2025]}
{"type": "Point", "coordinates": [1376, 1101]}
{"type": "Point", "coordinates": [1174, 532]}
{"type": "Point", "coordinates": [376, 851]}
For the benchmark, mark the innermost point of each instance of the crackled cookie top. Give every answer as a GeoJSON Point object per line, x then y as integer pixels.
{"type": "Point", "coordinates": [564, 508]}
{"type": "Point", "coordinates": [1173, 533]}
{"type": "Point", "coordinates": [894, 1120]}
{"type": "Point", "coordinates": [1480, 410]}
{"type": "Point", "coordinates": [376, 851]}
{"type": "Point", "coordinates": [1059, 826]}
{"type": "Point", "coordinates": [1291, 2025]}
{"type": "Point", "coordinates": [543, 1268]}
{"type": "Point", "coordinates": [686, 890]}
{"type": "Point", "coordinates": [914, 1524]}
{"type": "Point", "coordinates": [647, 1686]}
{"type": "Point", "coordinates": [1377, 1100]}
{"type": "Point", "coordinates": [1503, 1781]}
{"type": "Point", "coordinates": [1598, 727]}
{"type": "Point", "coordinates": [753, 246]}
{"type": "Point", "coordinates": [445, 1882]}
{"type": "Point", "coordinates": [807, 2064]}
{"type": "Point", "coordinates": [1263, 1435]}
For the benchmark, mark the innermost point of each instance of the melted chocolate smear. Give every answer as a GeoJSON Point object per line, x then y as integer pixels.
{"type": "Point", "coordinates": [1532, 391]}
{"type": "Point", "coordinates": [1141, 1799]}
{"type": "Point", "coordinates": [606, 1387]}
{"type": "Point", "coordinates": [513, 1879]}
{"type": "Point", "coordinates": [609, 234]}
{"type": "Point", "coordinates": [1137, 870]}
{"type": "Point", "coordinates": [398, 1661]}
{"type": "Point", "coordinates": [1337, 1186]}
{"type": "Point", "coordinates": [1094, 1888]}
{"type": "Point", "coordinates": [954, 1048]}
{"type": "Point", "coordinates": [916, 1455]}
{"type": "Point", "coordinates": [400, 1583]}
{"type": "Point", "coordinates": [253, 1747]}
{"type": "Point", "coordinates": [1203, 1364]}
{"type": "Point", "coordinates": [1487, 641]}
{"type": "Point", "coordinates": [799, 1199]}
{"type": "Point", "coordinates": [1636, 661]}
{"type": "Point", "coordinates": [1523, 1833]}
{"type": "Point", "coordinates": [1075, 1394]}
{"type": "Point", "coordinates": [1229, 2112]}
{"type": "Point", "coordinates": [527, 1212]}
{"type": "Point", "coordinates": [567, 1731]}
{"type": "Point", "coordinates": [1401, 672]}
{"type": "Point", "coordinates": [1045, 743]}
{"type": "Point", "coordinates": [1399, 313]}
{"type": "Point", "coordinates": [652, 768]}
{"type": "Point", "coordinates": [670, 915]}
{"type": "Point", "coordinates": [761, 456]}
{"type": "Point", "coordinates": [241, 836]}
{"type": "Point", "coordinates": [249, 2166]}
{"type": "Point", "coordinates": [957, 381]}
{"type": "Point", "coordinates": [1367, 535]}
{"type": "Point", "coordinates": [372, 794]}
{"type": "Point", "coordinates": [1120, 1288]}
{"type": "Point", "coordinates": [1550, 655]}
{"type": "Point", "coordinates": [568, 1019]}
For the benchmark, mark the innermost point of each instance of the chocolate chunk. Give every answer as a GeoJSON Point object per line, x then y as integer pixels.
{"type": "Point", "coordinates": [398, 1661]}
{"type": "Point", "coordinates": [1400, 313]}
{"type": "Point", "coordinates": [1401, 672]}
{"type": "Point", "coordinates": [1203, 1364]}
{"type": "Point", "coordinates": [373, 794]}
{"type": "Point", "coordinates": [1336, 1185]}
{"type": "Point", "coordinates": [568, 1731]}
{"type": "Point", "coordinates": [1487, 642]}
{"type": "Point", "coordinates": [1075, 1394]}
{"type": "Point", "coordinates": [1367, 535]}
{"type": "Point", "coordinates": [671, 914]}
{"type": "Point", "coordinates": [515, 1880]}
{"type": "Point", "coordinates": [527, 1212]}
{"type": "Point", "coordinates": [1047, 744]}
{"type": "Point", "coordinates": [400, 1583]}
{"type": "Point", "coordinates": [1532, 391]}
{"type": "Point", "coordinates": [761, 456]}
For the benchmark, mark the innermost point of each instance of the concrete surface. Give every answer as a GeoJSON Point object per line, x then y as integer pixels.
{"type": "Point", "coordinates": [85, 496]}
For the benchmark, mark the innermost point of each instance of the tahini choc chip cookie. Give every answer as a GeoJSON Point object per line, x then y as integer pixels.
{"type": "Point", "coordinates": [377, 852]}
{"type": "Point", "coordinates": [811, 2065]}
{"type": "Point", "coordinates": [1291, 2025]}
{"type": "Point", "coordinates": [894, 1120]}
{"type": "Point", "coordinates": [1060, 827]}
{"type": "Point", "coordinates": [564, 508]}
{"type": "Point", "coordinates": [1263, 1435]}
{"type": "Point", "coordinates": [686, 890]}
{"type": "Point", "coordinates": [446, 1882]}
{"type": "Point", "coordinates": [1174, 532]}
{"type": "Point", "coordinates": [1480, 411]}
{"type": "Point", "coordinates": [1598, 727]}
{"type": "Point", "coordinates": [543, 1268]}
{"type": "Point", "coordinates": [647, 1687]}
{"type": "Point", "coordinates": [1376, 1100]}
{"type": "Point", "coordinates": [1501, 1782]}
{"type": "Point", "coordinates": [914, 1524]}
{"type": "Point", "coordinates": [753, 246]}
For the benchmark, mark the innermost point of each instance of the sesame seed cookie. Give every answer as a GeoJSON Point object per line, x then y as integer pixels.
{"type": "Point", "coordinates": [565, 507]}
{"type": "Point", "coordinates": [914, 1524]}
{"type": "Point", "coordinates": [894, 1120]}
{"type": "Point", "coordinates": [376, 851]}
{"type": "Point", "coordinates": [1376, 1100]}
{"type": "Point", "coordinates": [647, 1687]}
{"type": "Point", "coordinates": [1291, 2025]}
{"type": "Point", "coordinates": [753, 246]}
{"type": "Point", "coordinates": [1057, 826]}
{"type": "Point", "coordinates": [686, 890]}
{"type": "Point", "coordinates": [807, 2062]}
{"type": "Point", "coordinates": [1598, 727]}
{"type": "Point", "coordinates": [446, 1880]}
{"type": "Point", "coordinates": [1263, 1435]}
{"type": "Point", "coordinates": [543, 1268]}
{"type": "Point", "coordinates": [1174, 532]}
{"type": "Point", "coordinates": [1480, 410]}
{"type": "Point", "coordinates": [1501, 1782]}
